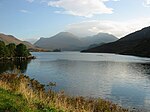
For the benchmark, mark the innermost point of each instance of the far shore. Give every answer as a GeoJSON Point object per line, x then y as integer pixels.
{"type": "Point", "coordinates": [18, 58]}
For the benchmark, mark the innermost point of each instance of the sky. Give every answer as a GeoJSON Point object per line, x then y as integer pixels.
{"type": "Point", "coordinates": [31, 19]}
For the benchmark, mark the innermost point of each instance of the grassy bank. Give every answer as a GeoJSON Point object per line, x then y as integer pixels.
{"type": "Point", "coordinates": [14, 102]}
{"type": "Point", "coordinates": [31, 97]}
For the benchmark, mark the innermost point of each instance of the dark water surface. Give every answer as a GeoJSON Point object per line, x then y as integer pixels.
{"type": "Point", "coordinates": [125, 80]}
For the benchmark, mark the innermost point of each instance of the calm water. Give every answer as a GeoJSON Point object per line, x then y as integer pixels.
{"type": "Point", "coordinates": [122, 79]}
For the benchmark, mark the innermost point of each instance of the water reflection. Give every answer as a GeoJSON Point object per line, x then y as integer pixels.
{"type": "Point", "coordinates": [11, 65]}
{"type": "Point", "coordinates": [124, 80]}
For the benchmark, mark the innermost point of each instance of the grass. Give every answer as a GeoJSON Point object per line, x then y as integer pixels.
{"type": "Point", "coordinates": [31, 96]}
{"type": "Point", "coordinates": [12, 102]}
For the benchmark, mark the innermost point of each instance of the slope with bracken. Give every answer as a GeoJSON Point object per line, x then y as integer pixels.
{"type": "Point", "coordinates": [11, 39]}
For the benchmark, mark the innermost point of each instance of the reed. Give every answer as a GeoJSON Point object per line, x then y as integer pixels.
{"type": "Point", "coordinates": [36, 95]}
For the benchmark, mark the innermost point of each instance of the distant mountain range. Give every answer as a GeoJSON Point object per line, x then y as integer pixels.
{"type": "Point", "coordinates": [11, 39]}
{"type": "Point", "coordinates": [137, 43]}
{"type": "Point", "coordinates": [68, 42]}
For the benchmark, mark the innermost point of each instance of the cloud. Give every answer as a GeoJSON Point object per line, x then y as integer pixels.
{"type": "Point", "coordinates": [119, 29]}
{"type": "Point", "coordinates": [30, 1]}
{"type": "Point", "coordinates": [146, 3]}
{"type": "Point", "coordinates": [24, 11]}
{"type": "Point", "coordinates": [115, 0]}
{"type": "Point", "coordinates": [86, 8]}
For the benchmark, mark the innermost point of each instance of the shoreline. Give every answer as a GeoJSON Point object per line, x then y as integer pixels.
{"type": "Point", "coordinates": [33, 91]}
{"type": "Point", "coordinates": [123, 54]}
{"type": "Point", "coordinates": [18, 58]}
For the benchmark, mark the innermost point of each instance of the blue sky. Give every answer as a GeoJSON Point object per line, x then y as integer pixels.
{"type": "Point", "coordinates": [32, 19]}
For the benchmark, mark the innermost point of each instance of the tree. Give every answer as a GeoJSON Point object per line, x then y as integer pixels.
{"type": "Point", "coordinates": [2, 49]}
{"type": "Point", "coordinates": [11, 49]}
{"type": "Point", "coordinates": [6, 54]}
{"type": "Point", "coordinates": [22, 51]}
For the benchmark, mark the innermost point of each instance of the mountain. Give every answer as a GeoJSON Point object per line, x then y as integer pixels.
{"type": "Point", "coordinates": [11, 39]}
{"type": "Point", "coordinates": [99, 38]}
{"type": "Point", "coordinates": [63, 41]}
{"type": "Point", "coordinates": [68, 42]}
{"type": "Point", "coordinates": [136, 43]}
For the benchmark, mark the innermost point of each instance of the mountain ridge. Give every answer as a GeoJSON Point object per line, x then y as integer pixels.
{"type": "Point", "coordinates": [67, 41]}
{"type": "Point", "coordinates": [131, 44]}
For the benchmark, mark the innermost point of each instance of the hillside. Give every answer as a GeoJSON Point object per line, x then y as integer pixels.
{"type": "Point", "coordinates": [136, 43]}
{"type": "Point", "coordinates": [11, 39]}
{"type": "Point", "coordinates": [69, 42]}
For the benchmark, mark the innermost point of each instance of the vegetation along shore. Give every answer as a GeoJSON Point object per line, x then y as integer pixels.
{"type": "Point", "coordinates": [13, 51]}
{"type": "Point", "coordinates": [19, 93]}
